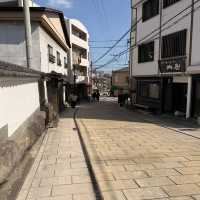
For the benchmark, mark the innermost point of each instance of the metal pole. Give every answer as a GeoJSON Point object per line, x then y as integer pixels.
{"type": "Point", "coordinates": [28, 37]}
{"type": "Point", "coordinates": [91, 78]}
{"type": "Point", "coordinates": [189, 98]}
{"type": "Point", "coordinates": [74, 78]}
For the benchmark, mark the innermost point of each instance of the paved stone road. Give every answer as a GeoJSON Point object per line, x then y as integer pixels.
{"type": "Point", "coordinates": [134, 159]}
{"type": "Point", "coordinates": [58, 169]}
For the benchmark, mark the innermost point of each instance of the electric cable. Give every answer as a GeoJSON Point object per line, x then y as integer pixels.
{"type": "Point", "coordinates": [139, 42]}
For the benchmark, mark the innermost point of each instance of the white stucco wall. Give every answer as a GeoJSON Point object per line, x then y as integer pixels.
{"type": "Point", "coordinates": [17, 103]}
{"type": "Point", "coordinates": [47, 66]}
{"type": "Point", "coordinates": [13, 47]}
{"type": "Point", "coordinates": [195, 61]}
{"type": "Point", "coordinates": [12, 43]}
{"type": "Point", "coordinates": [143, 29]}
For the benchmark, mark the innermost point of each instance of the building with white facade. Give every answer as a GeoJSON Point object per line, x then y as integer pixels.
{"type": "Point", "coordinates": [50, 45]}
{"type": "Point", "coordinates": [165, 61]}
{"type": "Point", "coordinates": [30, 99]}
{"type": "Point", "coordinates": [79, 56]}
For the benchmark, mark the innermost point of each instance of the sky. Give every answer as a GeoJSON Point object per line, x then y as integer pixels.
{"type": "Point", "coordinates": [106, 20]}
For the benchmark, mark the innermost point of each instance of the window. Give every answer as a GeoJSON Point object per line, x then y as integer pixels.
{"type": "Point", "coordinates": [50, 54]}
{"type": "Point", "coordinates": [154, 91]}
{"type": "Point", "coordinates": [149, 90]}
{"type": "Point", "coordinates": [58, 59]}
{"type": "Point", "coordinates": [144, 90]}
{"type": "Point", "coordinates": [150, 9]}
{"type": "Point", "coordinates": [174, 45]}
{"type": "Point", "coordinates": [167, 3]}
{"type": "Point", "coordinates": [65, 62]}
{"type": "Point", "coordinates": [146, 52]}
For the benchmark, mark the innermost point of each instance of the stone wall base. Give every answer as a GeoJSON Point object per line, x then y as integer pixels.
{"type": "Point", "coordinates": [13, 149]}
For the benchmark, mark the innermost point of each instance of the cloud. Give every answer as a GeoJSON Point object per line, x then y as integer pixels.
{"type": "Point", "coordinates": [60, 3]}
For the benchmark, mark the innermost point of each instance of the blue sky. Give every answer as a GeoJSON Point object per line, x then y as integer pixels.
{"type": "Point", "coordinates": [105, 20]}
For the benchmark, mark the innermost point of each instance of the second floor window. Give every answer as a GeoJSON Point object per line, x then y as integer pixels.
{"type": "Point", "coordinates": [146, 52]}
{"type": "Point", "coordinates": [50, 54]}
{"type": "Point", "coordinates": [65, 62]}
{"type": "Point", "coordinates": [58, 58]}
{"type": "Point", "coordinates": [150, 9]}
{"type": "Point", "coordinates": [174, 45]}
{"type": "Point", "coordinates": [167, 3]}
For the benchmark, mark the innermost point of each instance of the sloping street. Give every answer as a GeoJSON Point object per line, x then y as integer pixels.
{"type": "Point", "coordinates": [123, 156]}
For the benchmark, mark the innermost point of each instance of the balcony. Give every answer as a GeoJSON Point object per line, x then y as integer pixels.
{"type": "Point", "coordinates": [172, 65]}
{"type": "Point", "coordinates": [79, 33]}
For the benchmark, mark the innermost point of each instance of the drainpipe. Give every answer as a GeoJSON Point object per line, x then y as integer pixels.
{"type": "Point", "coordinates": [28, 36]}
{"type": "Point", "coordinates": [191, 33]}
{"type": "Point", "coordinates": [159, 54]}
{"type": "Point", "coordinates": [189, 89]}
{"type": "Point", "coordinates": [189, 95]}
{"type": "Point", "coordinates": [160, 29]}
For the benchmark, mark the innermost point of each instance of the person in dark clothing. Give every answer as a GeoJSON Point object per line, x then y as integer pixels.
{"type": "Point", "coordinates": [93, 96]}
{"type": "Point", "coordinates": [73, 99]}
{"type": "Point", "coordinates": [97, 95]}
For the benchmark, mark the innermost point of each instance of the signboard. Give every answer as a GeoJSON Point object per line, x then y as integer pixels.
{"type": "Point", "coordinates": [172, 65]}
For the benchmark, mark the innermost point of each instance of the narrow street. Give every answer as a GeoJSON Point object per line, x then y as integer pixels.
{"type": "Point", "coordinates": [126, 157]}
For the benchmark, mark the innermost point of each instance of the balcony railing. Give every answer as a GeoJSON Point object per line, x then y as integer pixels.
{"type": "Point", "coordinates": [172, 65]}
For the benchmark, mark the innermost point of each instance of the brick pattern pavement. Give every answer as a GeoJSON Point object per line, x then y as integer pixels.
{"type": "Point", "coordinates": [132, 159]}
{"type": "Point", "coordinates": [137, 160]}
{"type": "Point", "coordinates": [59, 171]}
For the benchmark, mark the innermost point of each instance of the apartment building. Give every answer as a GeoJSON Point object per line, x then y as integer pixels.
{"type": "Point", "coordinates": [165, 61]}
{"type": "Point", "coordinates": [79, 57]}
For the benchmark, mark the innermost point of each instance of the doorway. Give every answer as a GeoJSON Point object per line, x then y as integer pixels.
{"type": "Point", "coordinates": [180, 96]}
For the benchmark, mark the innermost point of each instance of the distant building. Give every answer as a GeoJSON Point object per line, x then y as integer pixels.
{"type": "Point", "coordinates": [120, 81]}
{"type": "Point", "coordinates": [102, 82]}
{"type": "Point", "coordinates": [166, 63]}
{"type": "Point", "coordinates": [79, 57]}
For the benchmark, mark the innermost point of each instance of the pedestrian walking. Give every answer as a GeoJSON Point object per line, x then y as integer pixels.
{"type": "Point", "coordinates": [98, 95]}
{"type": "Point", "coordinates": [73, 99]}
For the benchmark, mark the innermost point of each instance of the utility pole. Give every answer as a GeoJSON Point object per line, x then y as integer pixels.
{"type": "Point", "coordinates": [28, 37]}
{"type": "Point", "coordinates": [91, 77]}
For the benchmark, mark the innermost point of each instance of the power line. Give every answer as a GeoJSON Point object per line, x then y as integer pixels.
{"type": "Point", "coordinates": [133, 47]}
{"type": "Point", "coordinates": [118, 64]}
{"type": "Point", "coordinates": [103, 41]}
{"type": "Point", "coordinates": [139, 42]}
{"type": "Point", "coordinates": [106, 47]}
{"type": "Point", "coordinates": [118, 41]}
